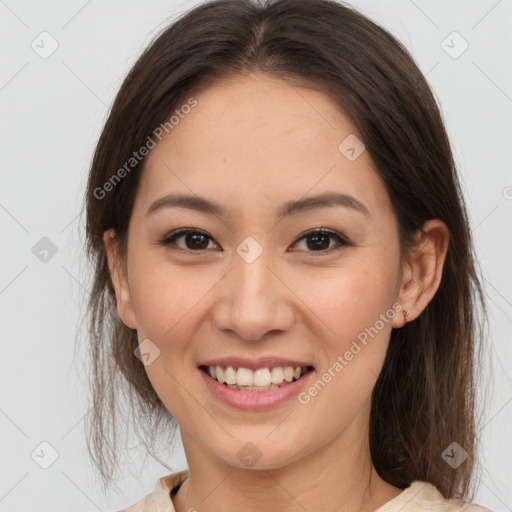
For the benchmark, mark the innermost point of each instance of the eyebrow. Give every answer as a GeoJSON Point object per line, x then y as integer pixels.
{"type": "Point", "coordinates": [294, 207]}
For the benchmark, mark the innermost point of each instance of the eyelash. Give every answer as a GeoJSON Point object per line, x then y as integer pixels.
{"type": "Point", "coordinates": [342, 241]}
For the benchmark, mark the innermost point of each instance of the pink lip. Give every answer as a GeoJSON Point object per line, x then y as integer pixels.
{"type": "Point", "coordinates": [255, 400]}
{"type": "Point", "coordinates": [253, 364]}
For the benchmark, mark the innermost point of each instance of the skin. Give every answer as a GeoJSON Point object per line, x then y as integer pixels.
{"type": "Point", "coordinates": [251, 144]}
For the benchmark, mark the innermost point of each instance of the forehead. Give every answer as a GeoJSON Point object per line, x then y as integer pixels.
{"type": "Point", "coordinates": [257, 137]}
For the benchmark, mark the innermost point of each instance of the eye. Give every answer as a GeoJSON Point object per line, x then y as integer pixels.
{"type": "Point", "coordinates": [196, 240]}
{"type": "Point", "coordinates": [320, 240]}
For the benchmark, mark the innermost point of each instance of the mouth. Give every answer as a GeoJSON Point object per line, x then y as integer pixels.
{"type": "Point", "coordinates": [262, 379]}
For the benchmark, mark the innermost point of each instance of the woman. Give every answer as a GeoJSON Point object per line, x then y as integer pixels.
{"type": "Point", "coordinates": [283, 267]}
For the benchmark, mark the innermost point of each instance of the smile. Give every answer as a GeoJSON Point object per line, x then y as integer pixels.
{"type": "Point", "coordinates": [261, 379]}
{"type": "Point", "coordinates": [257, 388]}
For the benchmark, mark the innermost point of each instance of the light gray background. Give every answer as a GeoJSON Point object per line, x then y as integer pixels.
{"type": "Point", "coordinates": [52, 111]}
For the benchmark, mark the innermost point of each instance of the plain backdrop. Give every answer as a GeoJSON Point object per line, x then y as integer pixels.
{"type": "Point", "coordinates": [53, 107]}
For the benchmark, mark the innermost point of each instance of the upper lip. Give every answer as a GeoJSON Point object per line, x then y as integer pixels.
{"type": "Point", "coordinates": [254, 364]}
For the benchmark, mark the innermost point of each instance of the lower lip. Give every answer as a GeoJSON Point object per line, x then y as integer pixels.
{"type": "Point", "coordinates": [255, 400]}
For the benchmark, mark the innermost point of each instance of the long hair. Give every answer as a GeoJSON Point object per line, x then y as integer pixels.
{"type": "Point", "coordinates": [424, 398]}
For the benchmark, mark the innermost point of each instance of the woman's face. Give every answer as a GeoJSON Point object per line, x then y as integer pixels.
{"type": "Point", "coordinates": [253, 280]}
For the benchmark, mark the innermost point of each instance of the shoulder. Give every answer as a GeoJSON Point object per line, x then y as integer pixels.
{"type": "Point", "coordinates": [425, 497]}
{"type": "Point", "coordinates": [160, 499]}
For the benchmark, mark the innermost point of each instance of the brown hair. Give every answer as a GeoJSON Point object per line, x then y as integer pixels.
{"type": "Point", "coordinates": [424, 398]}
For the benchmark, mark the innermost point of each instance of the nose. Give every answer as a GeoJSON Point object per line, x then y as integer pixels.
{"type": "Point", "coordinates": [254, 300]}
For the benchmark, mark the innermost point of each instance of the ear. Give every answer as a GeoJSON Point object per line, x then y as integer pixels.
{"type": "Point", "coordinates": [119, 280]}
{"type": "Point", "coordinates": [422, 272]}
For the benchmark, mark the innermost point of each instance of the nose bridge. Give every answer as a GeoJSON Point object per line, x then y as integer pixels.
{"type": "Point", "coordinates": [253, 301]}
{"type": "Point", "coordinates": [253, 280]}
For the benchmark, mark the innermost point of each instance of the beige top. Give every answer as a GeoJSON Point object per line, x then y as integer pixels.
{"type": "Point", "coordinates": [419, 496]}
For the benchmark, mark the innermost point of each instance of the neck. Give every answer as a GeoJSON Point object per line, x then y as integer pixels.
{"type": "Point", "coordinates": [338, 474]}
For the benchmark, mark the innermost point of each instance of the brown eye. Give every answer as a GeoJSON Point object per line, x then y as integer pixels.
{"type": "Point", "coordinates": [194, 240]}
{"type": "Point", "coordinates": [319, 240]}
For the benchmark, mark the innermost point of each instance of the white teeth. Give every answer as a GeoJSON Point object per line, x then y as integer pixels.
{"type": "Point", "coordinates": [244, 377]}
{"type": "Point", "coordinates": [262, 379]}
{"type": "Point", "coordinates": [277, 375]}
{"type": "Point", "coordinates": [220, 374]}
{"type": "Point", "coordinates": [230, 375]}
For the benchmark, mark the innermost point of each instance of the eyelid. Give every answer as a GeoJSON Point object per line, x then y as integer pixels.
{"type": "Point", "coordinates": [178, 233]}
{"type": "Point", "coordinates": [323, 231]}
{"type": "Point", "coordinates": [342, 241]}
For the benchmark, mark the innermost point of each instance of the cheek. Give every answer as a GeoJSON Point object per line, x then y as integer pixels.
{"type": "Point", "coordinates": [350, 297]}
{"type": "Point", "coordinates": [167, 302]}
{"type": "Point", "coordinates": [355, 305]}
{"type": "Point", "coordinates": [164, 296]}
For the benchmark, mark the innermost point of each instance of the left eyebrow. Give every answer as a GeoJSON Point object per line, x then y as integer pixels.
{"type": "Point", "coordinates": [293, 207]}
{"type": "Point", "coordinates": [326, 200]}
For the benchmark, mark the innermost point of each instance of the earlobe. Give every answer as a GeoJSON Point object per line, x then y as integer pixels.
{"type": "Point", "coordinates": [119, 280]}
{"type": "Point", "coordinates": [422, 273]}
{"type": "Point", "coordinates": [407, 289]}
